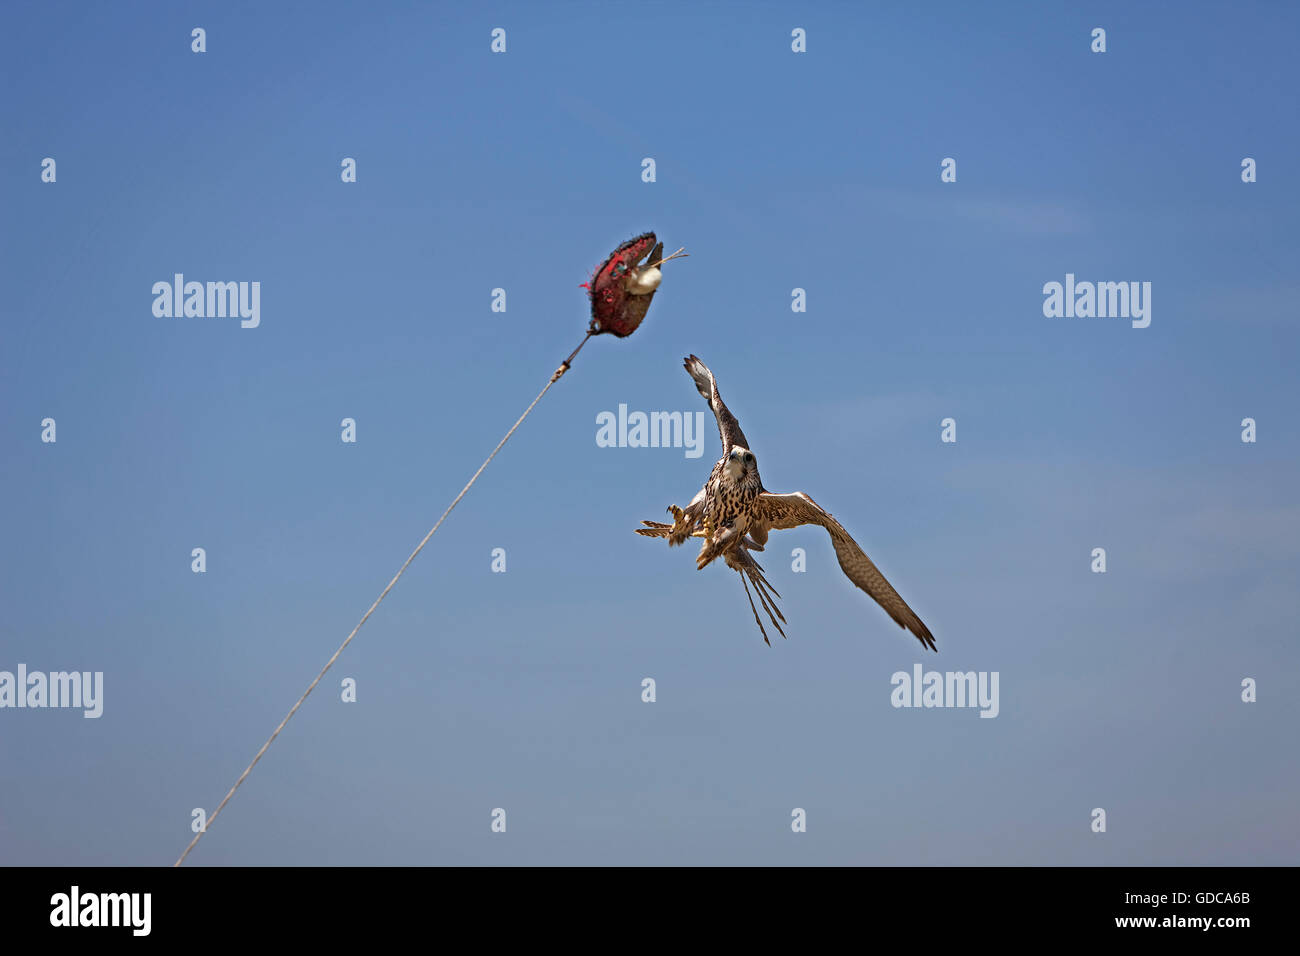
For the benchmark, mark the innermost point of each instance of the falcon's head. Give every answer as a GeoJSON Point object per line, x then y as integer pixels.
{"type": "Point", "coordinates": [741, 466]}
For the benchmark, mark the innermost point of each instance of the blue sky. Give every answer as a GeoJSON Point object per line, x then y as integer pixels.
{"type": "Point", "coordinates": [522, 690]}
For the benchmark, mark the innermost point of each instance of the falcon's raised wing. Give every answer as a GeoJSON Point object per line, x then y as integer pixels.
{"type": "Point", "coordinates": [728, 428]}
{"type": "Point", "coordinates": [779, 512]}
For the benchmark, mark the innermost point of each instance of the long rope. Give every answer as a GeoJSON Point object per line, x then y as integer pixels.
{"type": "Point", "coordinates": [564, 367]}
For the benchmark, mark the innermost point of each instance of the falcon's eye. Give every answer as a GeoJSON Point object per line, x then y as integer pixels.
{"type": "Point", "coordinates": [620, 269]}
{"type": "Point", "coordinates": [749, 456]}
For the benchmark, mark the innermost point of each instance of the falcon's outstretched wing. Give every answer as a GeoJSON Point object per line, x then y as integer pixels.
{"type": "Point", "coordinates": [728, 428]}
{"type": "Point", "coordinates": [780, 512]}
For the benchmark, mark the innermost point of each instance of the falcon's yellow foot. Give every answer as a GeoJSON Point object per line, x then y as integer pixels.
{"type": "Point", "coordinates": [683, 525]}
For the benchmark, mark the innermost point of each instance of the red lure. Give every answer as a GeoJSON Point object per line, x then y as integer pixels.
{"type": "Point", "coordinates": [613, 308]}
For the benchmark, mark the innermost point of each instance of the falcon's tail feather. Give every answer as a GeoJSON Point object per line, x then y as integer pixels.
{"type": "Point", "coordinates": [654, 529]}
{"type": "Point", "coordinates": [762, 630]}
{"type": "Point", "coordinates": [747, 567]}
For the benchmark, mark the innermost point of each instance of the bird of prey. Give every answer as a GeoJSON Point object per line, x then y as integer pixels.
{"type": "Point", "coordinates": [733, 513]}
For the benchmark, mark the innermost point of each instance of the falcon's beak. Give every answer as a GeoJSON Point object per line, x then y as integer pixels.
{"type": "Point", "coordinates": [735, 467]}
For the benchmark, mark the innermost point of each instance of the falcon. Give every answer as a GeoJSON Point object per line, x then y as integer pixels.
{"type": "Point", "coordinates": [733, 514]}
